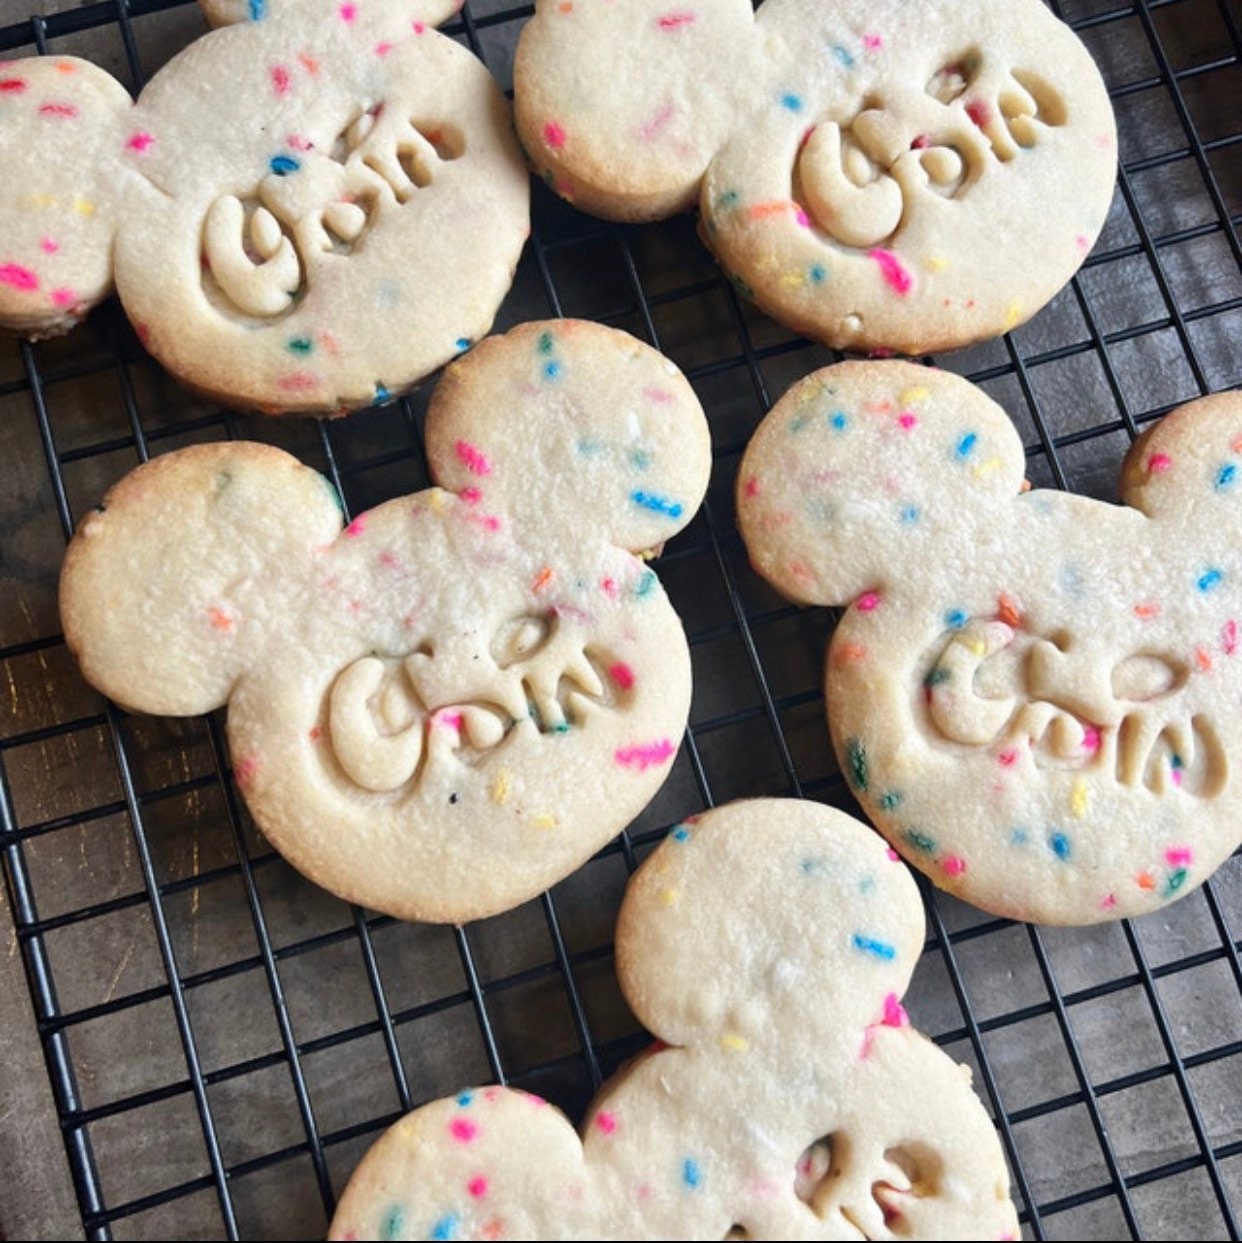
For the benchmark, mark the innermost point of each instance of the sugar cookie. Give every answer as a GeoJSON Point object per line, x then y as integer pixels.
{"type": "Point", "coordinates": [1034, 696]}
{"type": "Point", "coordinates": [768, 944]}
{"type": "Point", "coordinates": [454, 702]}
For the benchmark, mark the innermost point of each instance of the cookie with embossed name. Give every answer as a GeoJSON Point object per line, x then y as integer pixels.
{"type": "Point", "coordinates": [449, 705]}
{"type": "Point", "coordinates": [340, 221]}
{"type": "Point", "coordinates": [1034, 695]}
{"type": "Point", "coordinates": [875, 173]}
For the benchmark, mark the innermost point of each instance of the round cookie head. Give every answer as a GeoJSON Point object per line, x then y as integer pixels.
{"type": "Point", "coordinates": [481, 686]}
{"type": "Point", "coordinates": [875, 175]}
{"type": "Point", "coordinates": [1032, 693]}
{"type": "Point", "coordinates": [827, 1117]}
{"type": "Point", "coordinates": [60, 212]}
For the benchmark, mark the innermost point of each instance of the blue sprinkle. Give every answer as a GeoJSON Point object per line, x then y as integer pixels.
{"type": "Point", "coordinates": [1019, 837]}
{"type": "Point", "coordinates": [1175, 761]}
{"type": "Point", "coordinates": [839, 421]}
{"type": "Point", "coordinates": [812, 867]}
{"type": "Point", "coordinates": [791, 101]}
{"type": "Point", "coordinates": [1060, 845]}
{"type": "Point", "coordinates": [646, 584]}
{"type": "Point", "coordinates": [730, 198]}
{"type": "Point", "coordinates": [466, 1099]}
{"type": "Point", "coordinates": [382, 394]}
{"type": "Point", "coordinates": [394, 1219]}
{"type": "Point", "coordinates": [445, 1228]}
{"type": "Point", "coordinates": [463, 344]}
{"type": "Point", "coordinates": [1210, 579]}
{"type": "Point", "coordinates": [640, 459]}
{"type": "Point", "coordinates": [691, 1175]}
{"type": "Point", "coordinates": [680, 834]}
{"type": "Point", "coordinates": [817, 274]}
{"type": "Point", "coordinates": [283, 165]}
{"type": "Point", "coordinates": [590, 448]}
{"type": "Point", "coordinates": [551, 370]}
{"type": "Point", "coordinates": [966, 446]}
{"type": "Point", "coordinates": [843, 57]}
{"type": "Point", "coordinates": [866, 884]}
{"type": "Point", "coordinates": [1226, 477]}
{"type": "Point", "coordinates": [869, 945]}
{"type": "Point", "coordinates": [258, 10]}
{"type": "Point", "coordinates": [910, 514]}
{"type": "Point", "coordinates": [657, 504]}
{"type": "Point", "coordinates": [955, 619]}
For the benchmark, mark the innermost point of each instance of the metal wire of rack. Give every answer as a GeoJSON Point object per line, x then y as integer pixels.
{"type": "Point", "coordinates": [222, 1041]}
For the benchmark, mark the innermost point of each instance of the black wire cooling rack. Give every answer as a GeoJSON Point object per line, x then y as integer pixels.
{"type": "Point", "coordinates": [223, 1041]}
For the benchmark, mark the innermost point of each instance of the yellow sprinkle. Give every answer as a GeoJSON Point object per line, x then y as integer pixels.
{"type": "Point", "coordinates": [437, 500]}
{"type": "Point", "coordinates": [649, 554]}
{"type": "Point", "coordinates": [42, 200]}
{"type": "Point", "coordinates": [544, 821]}
{"type": "Point", "coordinates": [937, 263]}
{"type": "Point", "coordinates": [669, 896]}
{"type": "Point", "coordinates": [500, 788]}
{"type": "Point", "coordinates": [1013, 316]}
{"type": "Point", "coordinates": [84, 207]}
{"type": "Point", "coordinates": [914, 396]}
{"type": "Point", "coordinates": [793, 279]}
{"type": "Point", "coordinates": [985, 468]}
{"type": "Point", "coordinates": [976, 647]}
{"type": "Point", "coordinates": [731, 1042]}
{"type": "Point", "coordinates": [1078, 798]}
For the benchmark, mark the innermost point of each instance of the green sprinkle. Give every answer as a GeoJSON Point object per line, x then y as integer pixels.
{"type": "Point", "coordinates": [890, 799]}
{"type": "Point", "coordinates": [646, 584]}
{"type": "Point", "coordinates": [937, 677]}
{"type": "Point", "coordinates": [545, 343]}
{"type": "Point", "coordinates": [920, 841]}
{"type": "Point", "coordinates": [1174, 881]}
{"type": "Point", "coordinates": [301, 345]}
{"type": "Point", "coordinates": [856, 754]}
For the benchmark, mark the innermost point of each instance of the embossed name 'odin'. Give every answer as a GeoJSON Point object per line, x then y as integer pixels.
{"type": "Point", "coordinates": [994, 687]}
{"type": "Point", "coordinates": [314, 208]}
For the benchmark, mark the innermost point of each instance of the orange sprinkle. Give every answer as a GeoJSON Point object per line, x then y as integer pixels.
{"type": "Point", "coordinates": [765, 211]}
{"type": "Point", "coordinates": [566, 6]}
{"type": "Point", "coordinates": [1203, 659]}
{"type": "Point", "coordinates": [1145, 880]}
{"type": "Point", "coordinates": [799, 569]}
{"type": "Point", "coordinates": [220, 620]}
{"type": "Point", "coordinates": [1146, 611]}
{"type": "Point", "coordinates": [308, 62]}
{"type": "Point", "coordinates": [543, 579]}
{"type": "Point", "coordinates": [63, 66]}
{"type": "Point", "coordinates": [315, 734]}
{"type": "Point", "coordinates": [848, 653]}
{"type": "Point", "coordinates": [1008, 610]}
{"type": "Point", "coordinates": [1237, 445]}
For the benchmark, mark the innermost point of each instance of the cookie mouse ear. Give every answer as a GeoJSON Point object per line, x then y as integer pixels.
{"type": "Point", "coordinates": [227, 12]}
{"type": "Point", "coordinates": [621, 106]}
{"type": "Point", "coordinates": [171, 586]}
{"type": "Point", "coordinates": [1188, 463]}
{"type": "Point", "coordinates": [575, 427]}
{"type": "Point", "coordinates": [839, 922]}
{"type": "Point", "coordinates": [62, 131]}
{"type": "Point", "coordinates": [863, 469]}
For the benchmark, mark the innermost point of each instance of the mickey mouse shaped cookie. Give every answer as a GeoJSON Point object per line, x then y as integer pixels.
{"type": "Point", "coordinates": [1034, 695]}
{"type": "Point", "coordinates": [768, 946]}
{"type": "Point", "coordinates": [451, 704]}
{"type": "Point", "coordinates": [875, 173]}
{"type": "Point", "coordinates": [307, 212]}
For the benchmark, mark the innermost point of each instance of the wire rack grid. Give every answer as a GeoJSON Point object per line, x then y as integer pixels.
{"type": "Point", "coordinates": [222, 1041]}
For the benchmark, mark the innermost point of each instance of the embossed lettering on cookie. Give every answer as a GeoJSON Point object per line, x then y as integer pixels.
{"type": "Point", "coordinates": [875, 173]}
{"type": "Point", "coordinates": [448, 706]}
{"type": "Point", "coordinates": [1033, 695]}
{"type": "Point", "coordinates": [314, 209]}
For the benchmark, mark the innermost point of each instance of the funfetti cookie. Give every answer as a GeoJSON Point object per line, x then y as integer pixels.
{"type": "Point", "coordinates": [226, 12]}
{"type": "Point", "coordinates": [1033, 695]}
{"type": "Point", "coordinates": [323, 234]}
{"type": "Point", "coordinates": [448, 706]}
{"type": "Point", "coordinates": [875, 173]}
{"type": "Point", "coordinates": [58, 208]}
{"type": "Point", "coordinates": [768, 946]}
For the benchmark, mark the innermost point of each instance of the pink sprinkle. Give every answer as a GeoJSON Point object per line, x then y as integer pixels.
{"type": "Point", "coordinates": [675, 21]}
{"type": "Point", "coordinates": [1083, 242]}
{"type": "Point", "coordinates": [891, 268]}
{"type": "Point", "coordinates": [894, 1012]}
{"type": "Point", "coordinates": [907, 419]}
{"type": "Point", "coordinates": [606, 1122]}
{"type": "Point", "coordinates": [471, 458]}
{"type": "Point", "coordinates": [244, 771]}
{"type": "Point", "coordinates": [140, 141]}
{"type": "Point", "coordinates": [1109, 902]}
{"type": "Point", "coordinates": [471, 495]}
{"type": "Point", "coordinates": [873, 42]}
{"type": "Point", "coordinates": [645, 755]}
{"type": "Point", "coordinates": [297, 382]}
{"type": "Point", "coordinates": [752, 488]}
{"type": "Point", "coordinates": [48, 246]}
{"type": "Point", "coordinates": [953, 865]}
{"type": "Point", "coordinates": [490, 1094]}
{"type": "Point", "coordinates": [1179, 856]}
{"type": "Point", "coordinates": [802, 218]}
{"type": "Point", "coordinates": [12, 86]}
{"type": "Point", "coordinates": [1008, 758]}
{"type": "Point", "coordinates": [18, 277]}
{"type": "Point", "coordinates": [1229, 637]}
{"type": "Point", "coordinates": [1176, 774]}
{"type": "Point", "coordinates": [609, 588]}
{"type": "Point", "coordinates": [893, 855]}
{"type": "Point", "coordinates": [65, 297]}
{"type": "Point", "coordinates": [622, 675]}
{"type": "Point", "coordinates": [869, 601]}
{"type": "Point", "coordinates": [1091, 738]}
{"type": "Point", "coordinates": [280, 80]}
{"type": "Point", "coordinates": [419, 27]}
{"type": "Point", "coordinates": [382, 49]}
{"type": "Point", "coordinates": [357, 527]}
{"type": "Point", "coordinates": [348, 12]}
{"type": "Point", "coordinates": [450, 720]}
{"type": "Point", "coordinates": [655, 126]}
{"type": "Point", "coordinates": [1158, 463]}
{"type": "Point", "coordinates": [477, 1187]}
{"type": "Point", "coordinates": [58, 110]}
{"type": "Point", "coordinates": [661, 395]}
{"type": "Point", "coordinates": [554, 135]}
{"type": "Point", "coordinates": [979, 112]}
{"type": "Point", "coordinates": [463, 1130]}
{"type": "Point", "coordinates": [299, 142]}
